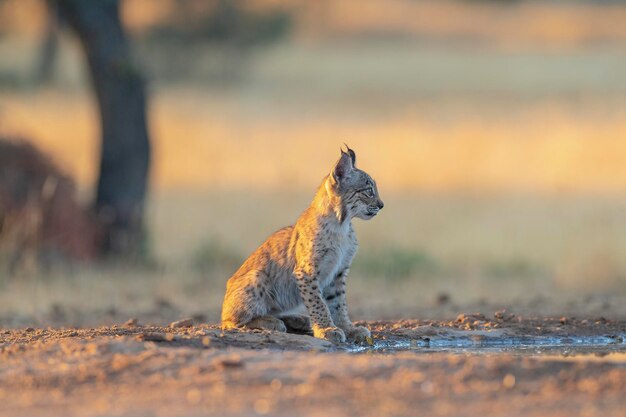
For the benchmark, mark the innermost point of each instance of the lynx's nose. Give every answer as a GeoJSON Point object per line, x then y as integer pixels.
{"type": "Point", "coordinates": [380, 204]}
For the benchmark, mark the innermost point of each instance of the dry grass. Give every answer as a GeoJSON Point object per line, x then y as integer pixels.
{"type": "Point", "coordinates": [544, 254]}
{"type": "Point", "coordinates": [211, 141]}
{"type": "Point", "coordinates": [436, 116]}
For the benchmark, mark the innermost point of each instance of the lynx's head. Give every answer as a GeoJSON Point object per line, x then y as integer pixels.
{"type": "Point", "coordinates": [355, 189]}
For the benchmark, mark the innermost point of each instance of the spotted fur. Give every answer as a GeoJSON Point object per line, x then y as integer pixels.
{"type": "Point", "coordinates": [307, 264]}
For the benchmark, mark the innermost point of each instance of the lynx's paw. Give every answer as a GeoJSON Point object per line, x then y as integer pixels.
{"type": "Point", "coordinates": [267, 323]}
{"type": "Point", "coordinates": [358, 334]}
{"type": "Point", "coordinates": [332, 334]}
{"type": "Point", "coordinates": [297, 323]}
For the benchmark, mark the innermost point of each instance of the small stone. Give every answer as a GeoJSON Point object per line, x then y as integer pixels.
{"type": "Point", "coordinates": [508, 381]}
{"type": "Point", "coordinates": [504, 315]}
{"type": "Point", "coordinates": [156, 337]}
{"type": "Point", "coordinates": [29, 329]}
{"type": "Point", "coordinates": [479, 316]}
{"type": "Point", "coordinates": [181, 323]}
{"type": "Point", "coordinates": [131, 322]}
{"type": "Point", "coordinates": [233, 362]}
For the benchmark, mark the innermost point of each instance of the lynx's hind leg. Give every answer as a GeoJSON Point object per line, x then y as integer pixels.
{"type": "Point", "coordinates": [267, 323]}
{"type": "Point", "coordinates": [244, 302]}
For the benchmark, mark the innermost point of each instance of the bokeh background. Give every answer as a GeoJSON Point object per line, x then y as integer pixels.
{"type": "Point", "coordinates": [496, 131]}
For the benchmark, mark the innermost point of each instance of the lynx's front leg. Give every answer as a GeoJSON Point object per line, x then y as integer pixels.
{"type": "Point", "coordinates": [321, 320]}
{"type": "Point", "coordinates": [335, 296]}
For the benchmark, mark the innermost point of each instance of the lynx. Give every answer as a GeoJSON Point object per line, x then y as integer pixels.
{"type": "Point", "coordinates": [307, 263]}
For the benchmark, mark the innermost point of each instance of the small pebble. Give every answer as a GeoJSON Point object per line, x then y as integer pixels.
{"type": "Point", "coordinates": [508, 381]}
{"type": "Point", "coordinates": [181, 323]}
{"type": "Point", "coordinates": [131, 322]}
{"type": "Point", "coordinates": [234, 362]}
{"type": "Point", "coordinates": [156, 337]}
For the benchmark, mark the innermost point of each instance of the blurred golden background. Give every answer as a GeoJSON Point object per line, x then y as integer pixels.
{"type": "Point", "coordinates": [496, 131]}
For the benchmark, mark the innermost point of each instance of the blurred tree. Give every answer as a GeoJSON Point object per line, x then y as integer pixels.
{"type": "Point", "coordinates": [49, 50]}
{"type": "Point", "coordinates": [228, 31]}
{"type": "Point", "coordinates": [125, 146]}
{"type": "Point", "coordinates": [224, 22]}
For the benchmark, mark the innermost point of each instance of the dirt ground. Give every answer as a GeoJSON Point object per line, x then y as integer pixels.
{"type": "Point", "coordinates": [195, 369]}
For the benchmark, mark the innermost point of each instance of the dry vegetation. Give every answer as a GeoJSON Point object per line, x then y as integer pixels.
{"type": "Point", "coordinates": [436, 115]}
{"type": "Point", "coordinates": [540, 256]}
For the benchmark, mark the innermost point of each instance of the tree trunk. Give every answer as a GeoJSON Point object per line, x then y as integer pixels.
{"type": "Point", "coordinates": [49, 49]}
{"type": "Point", "coordinates": [125, 147]}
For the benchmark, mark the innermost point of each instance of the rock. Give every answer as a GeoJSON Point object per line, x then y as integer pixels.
{"type": "Point", "coordinates": [156, 337]}
{"type": "Point", "coordinates": [131, 322]}
{"type": "Point", "coordinates": [508, 381]}
{"type": "Point", "coordinates": [181, 323]}
{"type": "Point", "coordinates": [504, 315]}
{"type": "Point", "coordinates": [231, 362]}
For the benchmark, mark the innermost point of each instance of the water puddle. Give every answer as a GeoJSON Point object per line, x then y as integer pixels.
{"type": "Point", "coordinates": [606, 348]}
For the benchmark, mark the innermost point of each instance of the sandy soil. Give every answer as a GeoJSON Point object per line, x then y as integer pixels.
{"type": "Point", "coordinates": [143, 370]}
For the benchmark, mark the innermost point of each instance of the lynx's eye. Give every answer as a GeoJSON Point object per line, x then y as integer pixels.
{"type": "Point", "coordinates": [369, 191]}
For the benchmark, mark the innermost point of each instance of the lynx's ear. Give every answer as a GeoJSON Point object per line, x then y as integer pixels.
{"type": "Point", "coordinates": [344, 166]}
{"type": "Point", "coordinates": [351, 153]}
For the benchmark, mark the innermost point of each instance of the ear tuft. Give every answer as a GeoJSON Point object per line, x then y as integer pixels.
{"type": "Point", "coordinates": [352, 155]}
{"type": "Point", "coordinates": [343, 168]}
